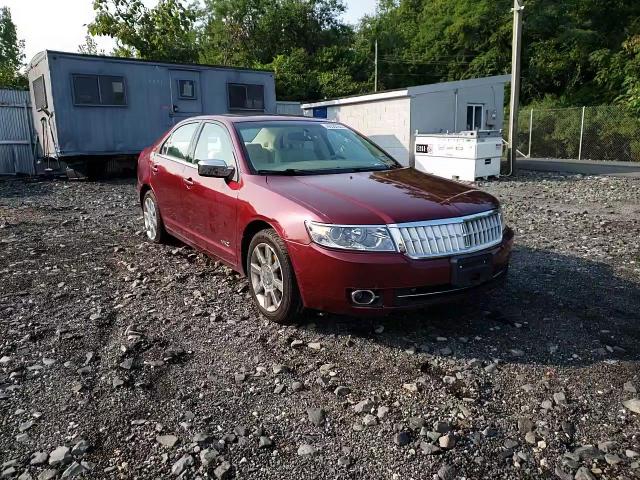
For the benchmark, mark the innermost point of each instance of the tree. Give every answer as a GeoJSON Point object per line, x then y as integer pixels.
{"type": "Point", "coordinates": [165, 32]}
{"type": "Point", "coordinates": [11, 53]}
{"type": "Point", "coordinates": [90, 47]}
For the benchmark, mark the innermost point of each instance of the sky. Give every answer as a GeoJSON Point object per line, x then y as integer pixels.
{"type": "Point", "coordinates": [61, 24]}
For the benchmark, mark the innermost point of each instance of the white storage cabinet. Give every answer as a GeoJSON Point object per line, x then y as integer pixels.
{"type": "Point", "coordinates": [459, 156]}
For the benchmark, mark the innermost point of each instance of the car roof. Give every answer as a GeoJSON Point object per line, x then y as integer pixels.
{"type": "Point", "coordinates": [235, 118]}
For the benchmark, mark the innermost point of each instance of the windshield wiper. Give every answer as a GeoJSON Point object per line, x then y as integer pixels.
{"type": "Point", "coordinates": [287, 171]}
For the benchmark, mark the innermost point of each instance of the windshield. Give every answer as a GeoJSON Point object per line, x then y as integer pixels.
{"type": "Point", "coordinates": [305, 147]}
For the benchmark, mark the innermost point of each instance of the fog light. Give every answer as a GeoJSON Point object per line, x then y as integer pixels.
{"type": "Point", "coordinates": [363, 297]}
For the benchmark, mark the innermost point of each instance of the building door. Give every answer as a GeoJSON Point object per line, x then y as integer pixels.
{"type": "Point", "coordinates": [186, 94]}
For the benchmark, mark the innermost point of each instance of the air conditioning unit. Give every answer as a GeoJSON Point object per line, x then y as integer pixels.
{"type": "Point", "coordinates": [459, 156]}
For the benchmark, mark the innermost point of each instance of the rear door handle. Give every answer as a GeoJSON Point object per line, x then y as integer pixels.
{"type": "Point", "coordinates": [188, 182]}
{"type": "Point", "coordinates": [154, 167]}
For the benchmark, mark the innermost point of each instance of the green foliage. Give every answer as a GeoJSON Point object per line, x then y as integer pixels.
{"type": "Point", "coordinates": [165, 32]}
{"type": "Point", "coordinates": [90, 47]}
{"type": "Point", "coordinates": [575, 52]}
{"type": "Point", "coordinates": [11, 53]}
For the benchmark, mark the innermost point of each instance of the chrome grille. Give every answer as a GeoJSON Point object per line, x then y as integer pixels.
{"type": "Point", "coordinates": [451, 236]}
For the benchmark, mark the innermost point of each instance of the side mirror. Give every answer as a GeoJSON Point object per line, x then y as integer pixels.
{"type": "Point", "coordinates": [215, 169]}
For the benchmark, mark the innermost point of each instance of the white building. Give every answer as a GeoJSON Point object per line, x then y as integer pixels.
{"type": "Point", "coordinates": [391, 118]}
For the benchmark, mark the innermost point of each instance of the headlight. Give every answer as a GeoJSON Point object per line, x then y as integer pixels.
{"type": "Point", "coordinates": [353, 237]}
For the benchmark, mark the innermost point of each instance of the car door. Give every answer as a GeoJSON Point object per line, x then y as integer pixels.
{"type": "Point", "coordinates": [213, 201]}
{"type": "Point", "coordinates": [168, 175]}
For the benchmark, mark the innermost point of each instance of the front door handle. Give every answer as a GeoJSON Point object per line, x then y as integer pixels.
{"type": "Point", "coordinates": [188, 182]}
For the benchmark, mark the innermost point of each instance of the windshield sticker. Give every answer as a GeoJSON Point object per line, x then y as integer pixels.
{"type": "Point", "coordinates": [334, 126]}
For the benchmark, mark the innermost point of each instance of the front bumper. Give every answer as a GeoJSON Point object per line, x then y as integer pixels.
{"type": "Point", "coordinates": [327, 277]}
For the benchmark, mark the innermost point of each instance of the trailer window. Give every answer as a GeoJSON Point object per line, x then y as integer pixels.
{"type": "Point", "coordinates": [474, 117]}
{"type": "Point", "coordinates": [246, 97]}
{"type": "Point", "coordinates": [86, 90]}
{"type": "Point", "coordinates": [112, 90]}
{"type": "Point", "coordinates": [105, 90]}
{"type": "Point", "coordinates": [39, 93]}
{"type": "Point", "coordinates": [187, 89]}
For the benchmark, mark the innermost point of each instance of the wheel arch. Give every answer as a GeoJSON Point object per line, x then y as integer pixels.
{"type": "Point", "coordinates": [250, 230]}
{"type": "Point", "coordinates": [143, 191]}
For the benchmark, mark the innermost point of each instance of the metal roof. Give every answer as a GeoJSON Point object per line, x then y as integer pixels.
{"type": "Point", "coordinates": [410, 91]}
{"type": "Point", "coordinates": [40, 55]}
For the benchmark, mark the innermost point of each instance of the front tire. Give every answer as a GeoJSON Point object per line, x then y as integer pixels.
{"type": "Point", "coordinates": [272, 281]}
{"type": "Point", "coordinates": [153, 226]}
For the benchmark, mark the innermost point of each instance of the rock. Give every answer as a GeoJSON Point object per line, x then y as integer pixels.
{"type": "Point", "coordinates": [441, 427]}
{"type": "Point", "coordinates": [510, 444]}
{"type": "Point", "coordinates": [297, 386]}
{"type": "Point", "coordinates": [382, 412]}
{"type": "Point", "coordinates": [316, 416]}
{"type": "Point", "coordinates": [208, 457]}
{"type": "Point", "coordinates": [60, 456]}
{"type": "Point", "coordinates": [306, 450]}
{"type": "Point", "coordinates": [126, 364]}
{"type": "Point", "coordinates": [446, 472]}
{"type": "Point", "coordinates": [25, 476]}
{"type": "Point", "coordinates": [416, 423]}
{"type": "Point", "coordinates": [588, 453]}
{"type": "Point", "coordinates": [429, 449]}
{"type": "Point", "coordinates": [560, 398]}
{"type": "Point", "coordinates": [8, 472]}
{"type": "Point", "coordinates": [363, 406]}
{"type": "Point", "coordinates": [265, 442]}
{"type": "Point", "coordinates": [369, 420]}
{"type": "Point", "coordinates": [525, 425]}
{"type": "Point", "coordinates": [379, 329]}
{"type": "Point", "coordinates": [279, 368]}
{"type": "Point", "coordinates": [447, 441]}
{"type": "Point", "coordinates": [317, 346]}
{"type": "Point", "coordinates": [516, 352]}
{"type": "Point", "coordinates": [530, 437]}
{"type": "Point", "coordinates": [547, 404]}
{"type": "Point", "coordinates": [5, 360]}
{"type": "Point", "coordinates": [48, 474]}
{"type": "Point", "coordinates": [342, 391]}
{"type": "Point", "coordinates": [201, 437]}
{"type": "Point", "coordinates": [39, 458]}
{"type": "Point", "coordinates": [73, 470]}
{"type": "Point", "coordinates": [181, 465]}
{"type": "Point", "coordinates": [117, 382]}
{"type": "Point", "coordinates": [632, 404]}
{"type": "Point", "coordinates": [411, 387]}
{"type": "Point", "coordinates": [80, 448]}
{"type": "Point", "coordinates": [22, 438]}
{"type": "Point", "coordinates": [629, 387]}
{"type": "Point", "coordinates": [612, 458]}
{"type": "Point", "coordinates": [241, 431]}
{"type": "Point", "coordinates": [584, 473]}
{"type": "Point", "coordinates": [167, 440]}
{"type": "Point", "coordinates": [344, 461]}
{"type": "Point", "coordinates": [297, 344]}
{"type": "Point", "coordinates": [223, 471]}
{"type": "Point", "coordinates": [631, 454]}
{"type": "Point", "coordinates": [240, 377]}
{"type": "Point", "coordinates": [401, 439]}
{"type": "Point", "coordinates": [607, 446]}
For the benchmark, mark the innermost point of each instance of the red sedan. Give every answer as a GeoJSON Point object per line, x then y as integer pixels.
{"type": "Point", "coordinates": [318, 216]}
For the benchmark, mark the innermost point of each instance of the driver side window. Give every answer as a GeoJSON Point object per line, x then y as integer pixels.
{"type": "Point", "coordinates": [214, 144]}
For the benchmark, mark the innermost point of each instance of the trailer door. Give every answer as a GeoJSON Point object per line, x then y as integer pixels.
{"type": "Point", "coordinates": [186, 94]}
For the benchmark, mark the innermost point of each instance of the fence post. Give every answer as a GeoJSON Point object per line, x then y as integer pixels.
{"type": "Point", "coordinates": [530, 131]}
{"type": "Point", "coordinates": [581, 135]}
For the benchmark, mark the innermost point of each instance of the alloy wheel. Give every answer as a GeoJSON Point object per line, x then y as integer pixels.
{"type": "Point", "coordinates": [150, 218]}
{"type": "Point", "coordinates": [266, 277]}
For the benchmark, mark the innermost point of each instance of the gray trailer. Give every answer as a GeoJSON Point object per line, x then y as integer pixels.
{"type": "Point", "coordinates": [87, 108]}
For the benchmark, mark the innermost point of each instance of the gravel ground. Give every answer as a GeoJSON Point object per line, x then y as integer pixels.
{"type": "Point", "coordinates": [124, 359]}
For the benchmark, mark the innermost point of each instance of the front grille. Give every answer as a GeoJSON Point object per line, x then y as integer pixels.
{"type": "Point", "coordinates": [451, 236]}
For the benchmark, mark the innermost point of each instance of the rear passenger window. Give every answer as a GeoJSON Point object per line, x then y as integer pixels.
{"type": "Point", "coordinates": [177, 146]}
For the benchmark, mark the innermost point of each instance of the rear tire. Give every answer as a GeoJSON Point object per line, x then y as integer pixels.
{"type": "Point", "coordinates": [272, 282]}
{"type": "Point", "coordinates": [153, 225]}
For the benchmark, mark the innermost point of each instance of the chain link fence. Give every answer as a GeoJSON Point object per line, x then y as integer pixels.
{"type": "Point", "coordinates": [587, 133]}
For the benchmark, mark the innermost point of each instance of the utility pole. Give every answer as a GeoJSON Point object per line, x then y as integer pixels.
{"type": "Point", "coordinates": [516, 47]}
{"type": "Point", "coordinates": [375, 71]}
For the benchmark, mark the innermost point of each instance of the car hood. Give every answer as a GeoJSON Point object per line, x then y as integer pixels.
{"type": "Point", "coordinates": [391, 196]}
